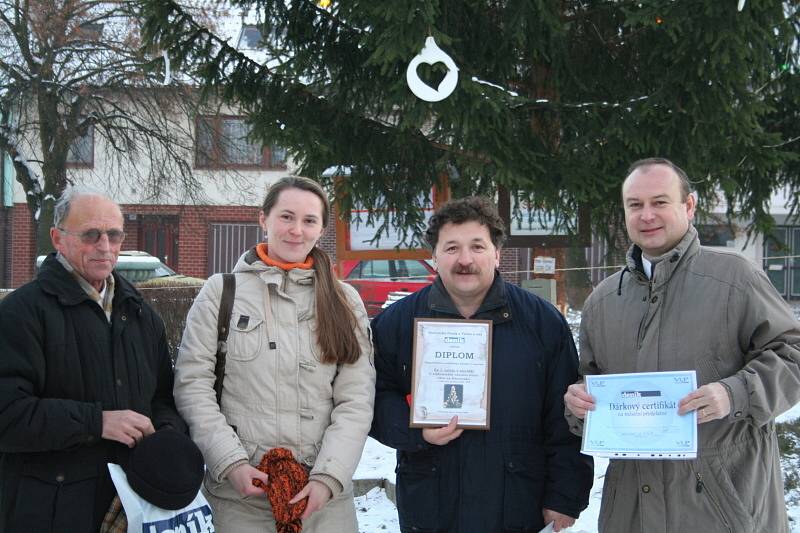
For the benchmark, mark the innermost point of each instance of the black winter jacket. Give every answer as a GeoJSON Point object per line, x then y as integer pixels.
{"type": "Point", "coordinates": [486, 481]}
{"type": "Point", "coordinates": [61, 365]}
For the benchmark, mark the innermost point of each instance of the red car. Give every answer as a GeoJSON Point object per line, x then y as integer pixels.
{"type": "Point", "coordinates": [374, 279]}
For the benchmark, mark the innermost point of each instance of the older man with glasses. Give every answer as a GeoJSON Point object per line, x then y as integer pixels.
{"type": "Point", "coordinates": [85, 374]}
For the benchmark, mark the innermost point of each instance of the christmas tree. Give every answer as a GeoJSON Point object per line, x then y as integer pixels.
{"type": "Point", "coordinates": [554, 99]}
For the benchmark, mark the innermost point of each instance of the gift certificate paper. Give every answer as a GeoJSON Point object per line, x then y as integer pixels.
{"type": "Point", "coordinates": [636, 416]}
{"type": "Point", "coordinates": [451, 370]}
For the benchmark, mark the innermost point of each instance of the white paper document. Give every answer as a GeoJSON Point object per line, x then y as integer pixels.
{"type": "Point", "coordinates": [548, 528]}
{"type": "Point", "coordinates": [636, 416]}
{"type": "Point", "coordinates": [451, 373]}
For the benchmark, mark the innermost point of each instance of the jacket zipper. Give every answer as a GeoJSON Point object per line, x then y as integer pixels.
{"type": "Point", "coordinates": [285, 281]}
{"type": "Point", "coordinates": [640, 338]}
{"type": "Point", "coordinates": [699, 489]}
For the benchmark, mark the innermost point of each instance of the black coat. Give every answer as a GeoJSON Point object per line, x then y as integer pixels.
{"type": "Point", "coordinates": [61, 365]}
{"type": "Point", "coordinates": [486, 481]}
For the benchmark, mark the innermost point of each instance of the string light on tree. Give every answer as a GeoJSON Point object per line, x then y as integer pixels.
{"type": "Point", "coordinates": [324, 4]}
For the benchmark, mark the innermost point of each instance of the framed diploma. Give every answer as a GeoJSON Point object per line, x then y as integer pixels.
{"type": "Point", "coordinates": [636, 416]}
{"type": "Point", "coordinates": [451, 373]}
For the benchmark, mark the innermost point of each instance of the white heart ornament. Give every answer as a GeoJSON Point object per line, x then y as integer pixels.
{"type": "Point", "coordinates": [431, 54]}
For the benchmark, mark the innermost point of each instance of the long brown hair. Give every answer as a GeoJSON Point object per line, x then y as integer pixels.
{"type": "Point", "coordinates": [336, 321]}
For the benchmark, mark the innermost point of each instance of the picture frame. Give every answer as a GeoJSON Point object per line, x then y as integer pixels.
{"type": "Point", "coordinates": [451, 373]}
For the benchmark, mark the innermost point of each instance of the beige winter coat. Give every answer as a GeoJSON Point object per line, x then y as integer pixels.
{"type": "Point", "coordinates": [718, 314]}
{"type": "Point", "coordinates": [274, 397]}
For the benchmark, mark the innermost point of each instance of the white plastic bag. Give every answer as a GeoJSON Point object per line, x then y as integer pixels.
{"type": "Point", "coordinates": [144, 517]}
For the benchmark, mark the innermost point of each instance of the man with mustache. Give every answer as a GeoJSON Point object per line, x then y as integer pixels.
{"type": "Point", "coordinates": [524, 472]}
{"type": "Point", "coordinates": [85, 374]}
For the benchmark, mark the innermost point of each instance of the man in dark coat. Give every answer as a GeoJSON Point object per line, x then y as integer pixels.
{"type": "Point", "coordinates": [85, 374]}
{"type": "Point", "coordinates": [527, 470]}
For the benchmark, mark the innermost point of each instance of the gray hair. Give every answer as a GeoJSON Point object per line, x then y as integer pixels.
{"type": "Point", "coordinates": [70, 194]}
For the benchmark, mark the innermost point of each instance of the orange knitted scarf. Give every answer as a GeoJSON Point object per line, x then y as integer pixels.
{"type": "Point", "coordinates": [261, 250]}
{"type": "Point", "coordinates": [287, 477]}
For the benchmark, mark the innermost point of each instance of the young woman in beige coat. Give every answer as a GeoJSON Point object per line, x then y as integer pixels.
{"type": "Point", "coordinates": [299, 372]}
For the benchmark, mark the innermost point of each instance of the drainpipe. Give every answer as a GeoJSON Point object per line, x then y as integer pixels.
{"type": "Point", "coordinates": [7, 199]}
{"type": "Point", "coordinates": [7, 177]}
{"type": "Point", "coordinates": [6, 195]}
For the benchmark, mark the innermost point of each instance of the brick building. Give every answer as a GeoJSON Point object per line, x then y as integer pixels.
{"type": "Point", "coordinates": [194, 240]}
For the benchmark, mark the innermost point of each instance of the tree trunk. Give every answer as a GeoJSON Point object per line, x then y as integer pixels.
{"type": "Point", "coordinates": [55, 146]}
{"type": "Point", "coordinates": [55, 180]}
{"type": "Point", "coordinates": [44, 244]}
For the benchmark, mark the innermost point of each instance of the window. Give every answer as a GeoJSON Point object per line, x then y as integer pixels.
{"type": "Point", "coordinates": [227, 242]}
{"type": "Point", "coordinates": [277, 156]}
{"type": "Point", "coordinates": [413, 269]}
{"type": "Point", "coordinates": [249, 38]}
{"type": "Point", "coordinates": [375, 269]}
{"type": "Point", "coordinates": [715, 235]}
{"type": "Point", "coordinates": [386, 269]}
{"type": "Point", "coordinates": [90, 31]}
{"type": "Point", "coordinates": [81, 151]}
{"type": "Point", "coordinates": [224, 142]}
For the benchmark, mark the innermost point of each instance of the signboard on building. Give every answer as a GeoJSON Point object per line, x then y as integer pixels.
{"type": "Point", "coordinates": [544, 265]}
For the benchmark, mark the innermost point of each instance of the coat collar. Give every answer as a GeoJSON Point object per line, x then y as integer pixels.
{"type": "Point", "coordinates": [272, 275]}
{"type": "Point", "coordinates": [494, 306]}
{"type": "Point", "coordinates": [54, 279]}
{"type": "Point", "coordinates": [665, 264]}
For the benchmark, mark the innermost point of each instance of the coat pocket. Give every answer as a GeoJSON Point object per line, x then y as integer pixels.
{"type": "Point", "coordinates": [49, 505]}
{"type": "Point", "coordinates": [715, 485]}
{"type": "Point", "coordinates": [610, 481]}
{"type": "Point", "coordinates": [522, 495]}
{"type": "Point", "coordinates": [418, 492]}
{"type": "Point", "coordinates": [223, 490]}
{"type": "Point", "coordinates": [245, 337]}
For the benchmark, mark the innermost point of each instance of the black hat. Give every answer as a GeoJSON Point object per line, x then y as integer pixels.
{"type": "Point", "coordinates": [166, 469]}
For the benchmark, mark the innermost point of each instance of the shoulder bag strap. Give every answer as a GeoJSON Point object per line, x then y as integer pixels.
{"type": "Point", "coordinates": [223, 325]}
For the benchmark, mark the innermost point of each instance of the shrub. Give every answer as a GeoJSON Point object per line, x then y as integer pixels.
{"type": "Point", "coordinates": [789, 445]}
{"type": "Point", "coordinates": [173, 304]}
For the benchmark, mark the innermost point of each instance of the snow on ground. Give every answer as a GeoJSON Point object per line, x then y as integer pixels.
{"type": "Point", "coordinates": [791, 414]}
{"type": "Point", "coordinates": [377, 462]}
{"type": "Point", "coordinates": [376, 513]}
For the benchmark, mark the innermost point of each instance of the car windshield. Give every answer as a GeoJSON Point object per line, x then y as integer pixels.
{"type": "Point", "coordinates": [136, 271]}
{"type": "Point", "coordinates": [163, 271]}
{"type": "Point", "coordinates": [391, 269]}
{"type": "Point", "coordinates": [135, 266]}
{"type": "Point", "coordinates": [135, 275]}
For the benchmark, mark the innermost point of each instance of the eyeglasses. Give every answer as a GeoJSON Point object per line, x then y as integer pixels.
{"type": "Point", "coordinates": [92, 236]}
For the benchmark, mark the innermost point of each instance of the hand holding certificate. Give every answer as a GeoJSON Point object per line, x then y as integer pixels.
{"type": "Point", "coordinates": [636, 416]}
{"type": "Point", "coordinates": [452, 363]}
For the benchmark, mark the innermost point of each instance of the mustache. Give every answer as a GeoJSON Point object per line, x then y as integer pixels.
{"type": "Point", "coordinates": [466, 270]}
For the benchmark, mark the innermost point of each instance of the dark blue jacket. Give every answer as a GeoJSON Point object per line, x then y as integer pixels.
{"type": "Point", "coordinates": [61, 365]}
{"type": "Point", "coordinates": [486, 481]}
